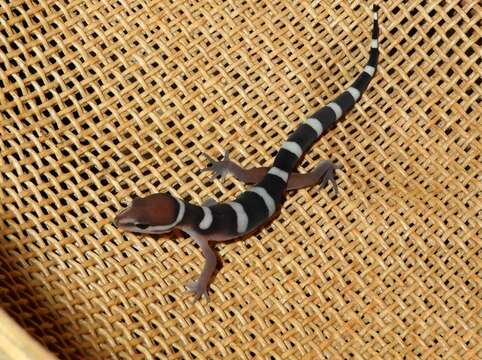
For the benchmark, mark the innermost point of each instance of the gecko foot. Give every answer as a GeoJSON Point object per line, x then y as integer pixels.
{"type": "Point", "coordinates": [327, 169]}
{"type": "Point", "coordinates": [220, 168]}
{"type": "Point", "coordinates": [198, 289]}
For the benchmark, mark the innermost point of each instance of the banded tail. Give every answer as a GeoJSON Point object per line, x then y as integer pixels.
{"type": "Point", "coordinates": [262, 199]}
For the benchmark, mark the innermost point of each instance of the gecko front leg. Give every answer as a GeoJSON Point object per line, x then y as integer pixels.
{"type": "Point", "coordinates": [201, 285]}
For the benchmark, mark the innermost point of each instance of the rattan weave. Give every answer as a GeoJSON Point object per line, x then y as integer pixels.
{"type": "Point", "coordinates": [101, 101]}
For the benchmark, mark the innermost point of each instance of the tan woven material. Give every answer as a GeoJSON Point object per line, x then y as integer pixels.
{"type": "Point", "coordinates": [17, 344]}
{"type": "Point", "coordinates": [102, 100]}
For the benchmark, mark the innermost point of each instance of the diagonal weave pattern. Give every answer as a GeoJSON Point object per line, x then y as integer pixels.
{"type": "Point", "coordinates": [101, 101]}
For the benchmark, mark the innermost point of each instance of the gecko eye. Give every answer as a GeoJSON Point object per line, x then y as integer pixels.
{"type": "Point", "coordinates": [141, 226]}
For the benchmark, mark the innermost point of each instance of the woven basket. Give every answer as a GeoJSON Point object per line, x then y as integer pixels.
{"type": "Point", "coordinates": [101, 101]}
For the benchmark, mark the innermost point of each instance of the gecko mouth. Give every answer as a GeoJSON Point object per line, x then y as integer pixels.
{"type": "Point", "coordinates": [138, 227]}
{"type": "Point", "coordinates": [119, 223]}
{"type": "Point", "coordinates": [124, 221]}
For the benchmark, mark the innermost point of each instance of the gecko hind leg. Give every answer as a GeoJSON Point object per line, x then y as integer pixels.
{"type": "Point", "coordinates": [326, 169]}
{"type": "Point", "coordinates": [322, 174]}
{"type": "Point", "coordinates": [219, 168]}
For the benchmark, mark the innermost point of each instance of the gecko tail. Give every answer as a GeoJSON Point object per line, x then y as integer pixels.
{"type": "Point", "coordinates": [264, 198]}
{"type": "Point", "coordinates": [306, 134]}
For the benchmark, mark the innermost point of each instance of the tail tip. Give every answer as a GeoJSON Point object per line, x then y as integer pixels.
{"type": "Point", "coordinates": [375, 8]}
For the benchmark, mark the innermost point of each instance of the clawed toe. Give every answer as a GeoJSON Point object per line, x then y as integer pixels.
{"type": "Point", "coordinates": [220, 168]}
{"type": "Point", "coordinates": [211, 161]}
{"type": "Point", "coordinates": [198, 289]}
{"type": "Point", "coordinates": [329, 169]}
{"type": "Point", "coordinates": [335, 186]}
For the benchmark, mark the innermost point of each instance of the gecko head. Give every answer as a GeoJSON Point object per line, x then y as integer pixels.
{"type": "Point", "coordinates": [153, 214]}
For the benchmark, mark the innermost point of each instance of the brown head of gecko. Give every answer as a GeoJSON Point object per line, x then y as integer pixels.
{"type": "Point", "coordinates": [154, 214]}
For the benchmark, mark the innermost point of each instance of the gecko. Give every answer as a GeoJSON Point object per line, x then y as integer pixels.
{"type": "Point", "coordinates": [213, 221]}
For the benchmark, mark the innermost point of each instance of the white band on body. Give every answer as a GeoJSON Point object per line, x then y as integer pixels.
{"type": "Point", "coordinates": [283, 175]}
{"type": "Point", "coordinates": [315, 125]}
{"type": "Point", "coordinates": [293, 148]}
{"type": "Point", "coordinates": [207, 219]}
{"type": "Point", "coordinates": [241, 217]}
{"type": "Point", "coordinates": [336, 108]}
{"type": "Point", "coordinates": [268, 200]}
{"type": "Point", "coordinates": [370, 70]}
{"type": "Point", "coordinates": [355, 93]}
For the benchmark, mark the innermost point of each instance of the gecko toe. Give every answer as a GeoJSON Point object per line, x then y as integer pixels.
{"type": "Point", "coordinates": [218, 169]}
{"type": "Point", "coordinates": [198, 289]}
{"type": "Point", "coordinates": [210, 159]}
{"type": "Point", "coordinates": [329, 171]}
{"type": "Point", "coordinates": [335, 186]}
{"type": "Point", "coordinates": [226, 155]}
{"type": "Point", "coordinates": [191, 285]}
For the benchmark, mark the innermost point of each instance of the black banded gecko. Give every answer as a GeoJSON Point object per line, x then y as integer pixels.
{"type": "Point", "coordinates": [214, 222]}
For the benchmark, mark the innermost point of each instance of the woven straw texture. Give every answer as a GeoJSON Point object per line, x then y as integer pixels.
{"type": "Point", "coordinates": [17, 344]}
{"type": "Point", "coordinates": [102, 101]}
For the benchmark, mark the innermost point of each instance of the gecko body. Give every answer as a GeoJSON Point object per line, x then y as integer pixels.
{"type": "Point", "coordinates": [212, 221]}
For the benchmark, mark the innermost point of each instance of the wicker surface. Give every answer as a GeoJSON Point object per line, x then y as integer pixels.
{"type": "Point", "coordinates": [103, 100]}
{"type": "Point", "coordinates": [16, 344]}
